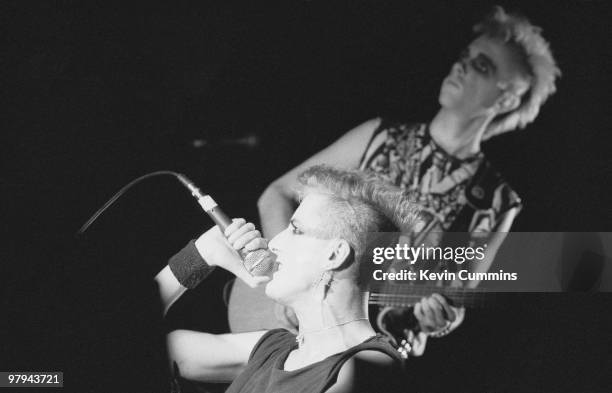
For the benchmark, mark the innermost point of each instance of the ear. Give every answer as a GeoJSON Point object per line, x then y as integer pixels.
{"type": "Point", "coordinates": [507, 102]}
{"type": "Point", "coordinates": [339, 253]}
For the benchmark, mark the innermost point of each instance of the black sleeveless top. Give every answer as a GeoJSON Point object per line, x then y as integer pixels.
{"type": "Point", "coordinates": [264, 373]}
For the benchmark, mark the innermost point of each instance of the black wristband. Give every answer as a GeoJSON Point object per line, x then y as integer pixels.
{"type": "Point", "coordinates": [189, 267]}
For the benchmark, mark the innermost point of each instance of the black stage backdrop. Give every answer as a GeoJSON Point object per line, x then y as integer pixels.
{"type": "Point", "coordinates": [96, 94]}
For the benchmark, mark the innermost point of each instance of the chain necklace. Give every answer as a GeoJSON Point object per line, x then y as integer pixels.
{"type": "Point", "coordinates": [300, 337]}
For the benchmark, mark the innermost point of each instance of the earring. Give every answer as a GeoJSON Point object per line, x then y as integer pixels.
{"type": "Point", "coordinates": [328, 284]}
{"type": "Point", "coordinates": [317, 283]}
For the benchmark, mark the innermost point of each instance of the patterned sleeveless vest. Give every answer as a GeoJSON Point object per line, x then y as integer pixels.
{"type": "Point", "coordinates": [457, 195]}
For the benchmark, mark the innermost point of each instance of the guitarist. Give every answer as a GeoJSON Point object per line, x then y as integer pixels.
{"type": "Point", "coordinates": [497, 85]}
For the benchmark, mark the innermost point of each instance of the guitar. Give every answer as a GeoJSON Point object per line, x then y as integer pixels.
{"type": "Point", "coordinates": [395, 320]}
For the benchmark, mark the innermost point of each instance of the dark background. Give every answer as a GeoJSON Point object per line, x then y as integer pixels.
{"type": "Point", "coordinates": [95, 94]}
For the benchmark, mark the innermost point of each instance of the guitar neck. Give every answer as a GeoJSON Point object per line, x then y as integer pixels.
{"type": "Point", "coordinates": [407, 295]}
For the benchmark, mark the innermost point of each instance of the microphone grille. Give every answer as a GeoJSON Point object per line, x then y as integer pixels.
{"type": "Point", "coordinates": [258, 262]}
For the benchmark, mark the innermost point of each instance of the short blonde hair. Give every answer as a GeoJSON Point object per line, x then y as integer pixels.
{"type": "Point", "coordinates": [360, 203]}
{"type": "Point", "coordinates": [543, 70]}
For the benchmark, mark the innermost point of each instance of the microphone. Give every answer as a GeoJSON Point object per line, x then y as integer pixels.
{"type": "Point", "coordinates": [258, 262]}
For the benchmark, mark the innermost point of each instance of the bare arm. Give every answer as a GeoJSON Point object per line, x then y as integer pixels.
{"type": "Point", "coordinates": [170, 289]}
{"type": "Point", "coordinates": [209, 357]}
{"type": "Point", "coordinates": [276, 202]}
{"type": "Point", "coordinates": [203, 356]}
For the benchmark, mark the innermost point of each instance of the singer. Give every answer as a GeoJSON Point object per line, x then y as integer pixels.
{"type": "Point", "coordinates": [322, 272]}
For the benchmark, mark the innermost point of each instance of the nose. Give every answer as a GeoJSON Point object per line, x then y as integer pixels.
{"type": "Point", "coordinates": [273, 244]}
{"type": "Point", "coordinates": [459, 67]}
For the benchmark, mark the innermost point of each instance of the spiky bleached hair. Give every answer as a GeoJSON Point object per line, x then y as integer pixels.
{"type": "Point", "coordinates": [537, 55]}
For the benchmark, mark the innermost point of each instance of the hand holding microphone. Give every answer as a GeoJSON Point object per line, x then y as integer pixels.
{"type": "Point", "coordinates": [258, 260]}
{"type": "Point", "coordinates": [223, 250]}
{"type": "Point", "coordinates": [249, 259]}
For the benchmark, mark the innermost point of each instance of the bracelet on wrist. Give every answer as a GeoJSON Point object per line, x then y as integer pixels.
{"type": "Point", "coordinates": [189, 267]}
{"type": "Point", "coordinates": [442, 332]}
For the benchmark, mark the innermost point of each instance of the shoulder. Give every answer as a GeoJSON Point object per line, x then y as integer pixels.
{"type": "Point", "coordinates": [366, 129]}
{"type": "Point", "coordinates": [375, 357]}
{"type": "Point", "coordinates": [402, 135]}
{"type": "Point", "coordinates": [377, 350]}
{"type": "Point", "coordinates": [272, 341]}
{"type": "Point", "coordinates": [372, 123]}
{"type": "Point", "coordinates": [400, 127]}
{"type": "Point", "coordinates": [390, 134]}
{"type": "Point", "coordinates": [376, 367]}
{"type": "Point", "coordinates": [374, 354]}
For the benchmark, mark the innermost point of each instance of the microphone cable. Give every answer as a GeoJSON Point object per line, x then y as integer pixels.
{"type": "Point", "coordinates": [122, 191]}
{"type": "Point", "coordinates": [257, 262]}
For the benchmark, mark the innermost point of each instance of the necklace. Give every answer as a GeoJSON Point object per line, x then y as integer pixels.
{"type": "Point", "coordinates": [300, 337]}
